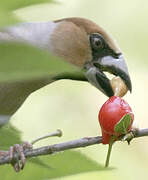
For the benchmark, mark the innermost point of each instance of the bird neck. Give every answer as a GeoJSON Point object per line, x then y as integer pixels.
{"type": "Point", "coordinates": [36, 34]}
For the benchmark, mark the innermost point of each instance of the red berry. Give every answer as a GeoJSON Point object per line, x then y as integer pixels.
{"type": "Point", "coordinates": [110, 114]}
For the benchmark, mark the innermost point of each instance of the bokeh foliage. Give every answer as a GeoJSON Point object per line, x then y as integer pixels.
{"type": "Point", "coordinates": [59, 165]}
{"type": "Point", "coordinates": [7, 17]}
{"type": "Point", "coordinates": [15, 4]}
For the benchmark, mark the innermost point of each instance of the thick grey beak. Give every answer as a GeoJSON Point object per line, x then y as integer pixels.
{"type": "Point", "coordinates": [116, 66]}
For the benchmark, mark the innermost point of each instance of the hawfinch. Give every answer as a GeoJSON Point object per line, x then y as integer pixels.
{"type": "Point", "coordinates": [78, 41]}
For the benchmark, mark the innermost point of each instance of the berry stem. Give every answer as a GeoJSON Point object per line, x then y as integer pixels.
{"type": "Point", "coordinates": [112, 140]}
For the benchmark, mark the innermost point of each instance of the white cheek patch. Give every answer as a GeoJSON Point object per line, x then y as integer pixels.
{"type": "Point", "coordinates": [118, 63]}
{"type": "Point", "coordinates": [36, 34]}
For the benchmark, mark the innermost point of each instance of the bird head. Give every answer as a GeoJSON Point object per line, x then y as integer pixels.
{"type": "Point", "coordinates": [85, 44]}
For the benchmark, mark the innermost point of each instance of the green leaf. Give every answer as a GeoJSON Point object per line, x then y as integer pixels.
{"type": "Point", "coordinates": [15, 4]}
{"type": "Point", "coordinates": [9, 136]}
{"type": "Point", "coordinates": [62, 164]}
{"type": "Point", "coordinates": [123, 125]}
{"type": "Point", "coordinates": [7, 18]}
{"type": "Point", "coordinates": [23, 62]}
{"type": "Point", "coordinates": [40, 162]}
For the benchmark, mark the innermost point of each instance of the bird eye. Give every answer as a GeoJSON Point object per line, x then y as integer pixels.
{"type": "Point", "coordinates": [96, 41]}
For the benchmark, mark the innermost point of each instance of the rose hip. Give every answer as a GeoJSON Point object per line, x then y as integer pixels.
{"type": "Point", "coordinates": [110, 114]}
{"type": "Point", "coordinates": [115, 118]}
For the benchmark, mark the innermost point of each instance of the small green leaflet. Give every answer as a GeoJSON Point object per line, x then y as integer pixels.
{"type": "Point", "coordinates": [123, 125]}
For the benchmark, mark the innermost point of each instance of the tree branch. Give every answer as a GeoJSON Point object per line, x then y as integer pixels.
{"type": "Point", "coordinates": [83, 142]}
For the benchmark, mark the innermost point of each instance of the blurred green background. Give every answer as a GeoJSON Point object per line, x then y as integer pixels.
{"type": "Point", "coordinates": [75, 107]}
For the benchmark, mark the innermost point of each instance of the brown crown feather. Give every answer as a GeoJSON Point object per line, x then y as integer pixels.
{"type": "Point", "coordinates": [91, 27]}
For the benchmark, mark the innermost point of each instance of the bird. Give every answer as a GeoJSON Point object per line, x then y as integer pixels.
{"type": "Point", "coordinates": [78, 41]}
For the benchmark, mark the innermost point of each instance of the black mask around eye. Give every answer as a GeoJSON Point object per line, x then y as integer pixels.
{"type": "Point", "coordinates": [97, 42]}
{"type": "Point", "coordinates": [100, 47]}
